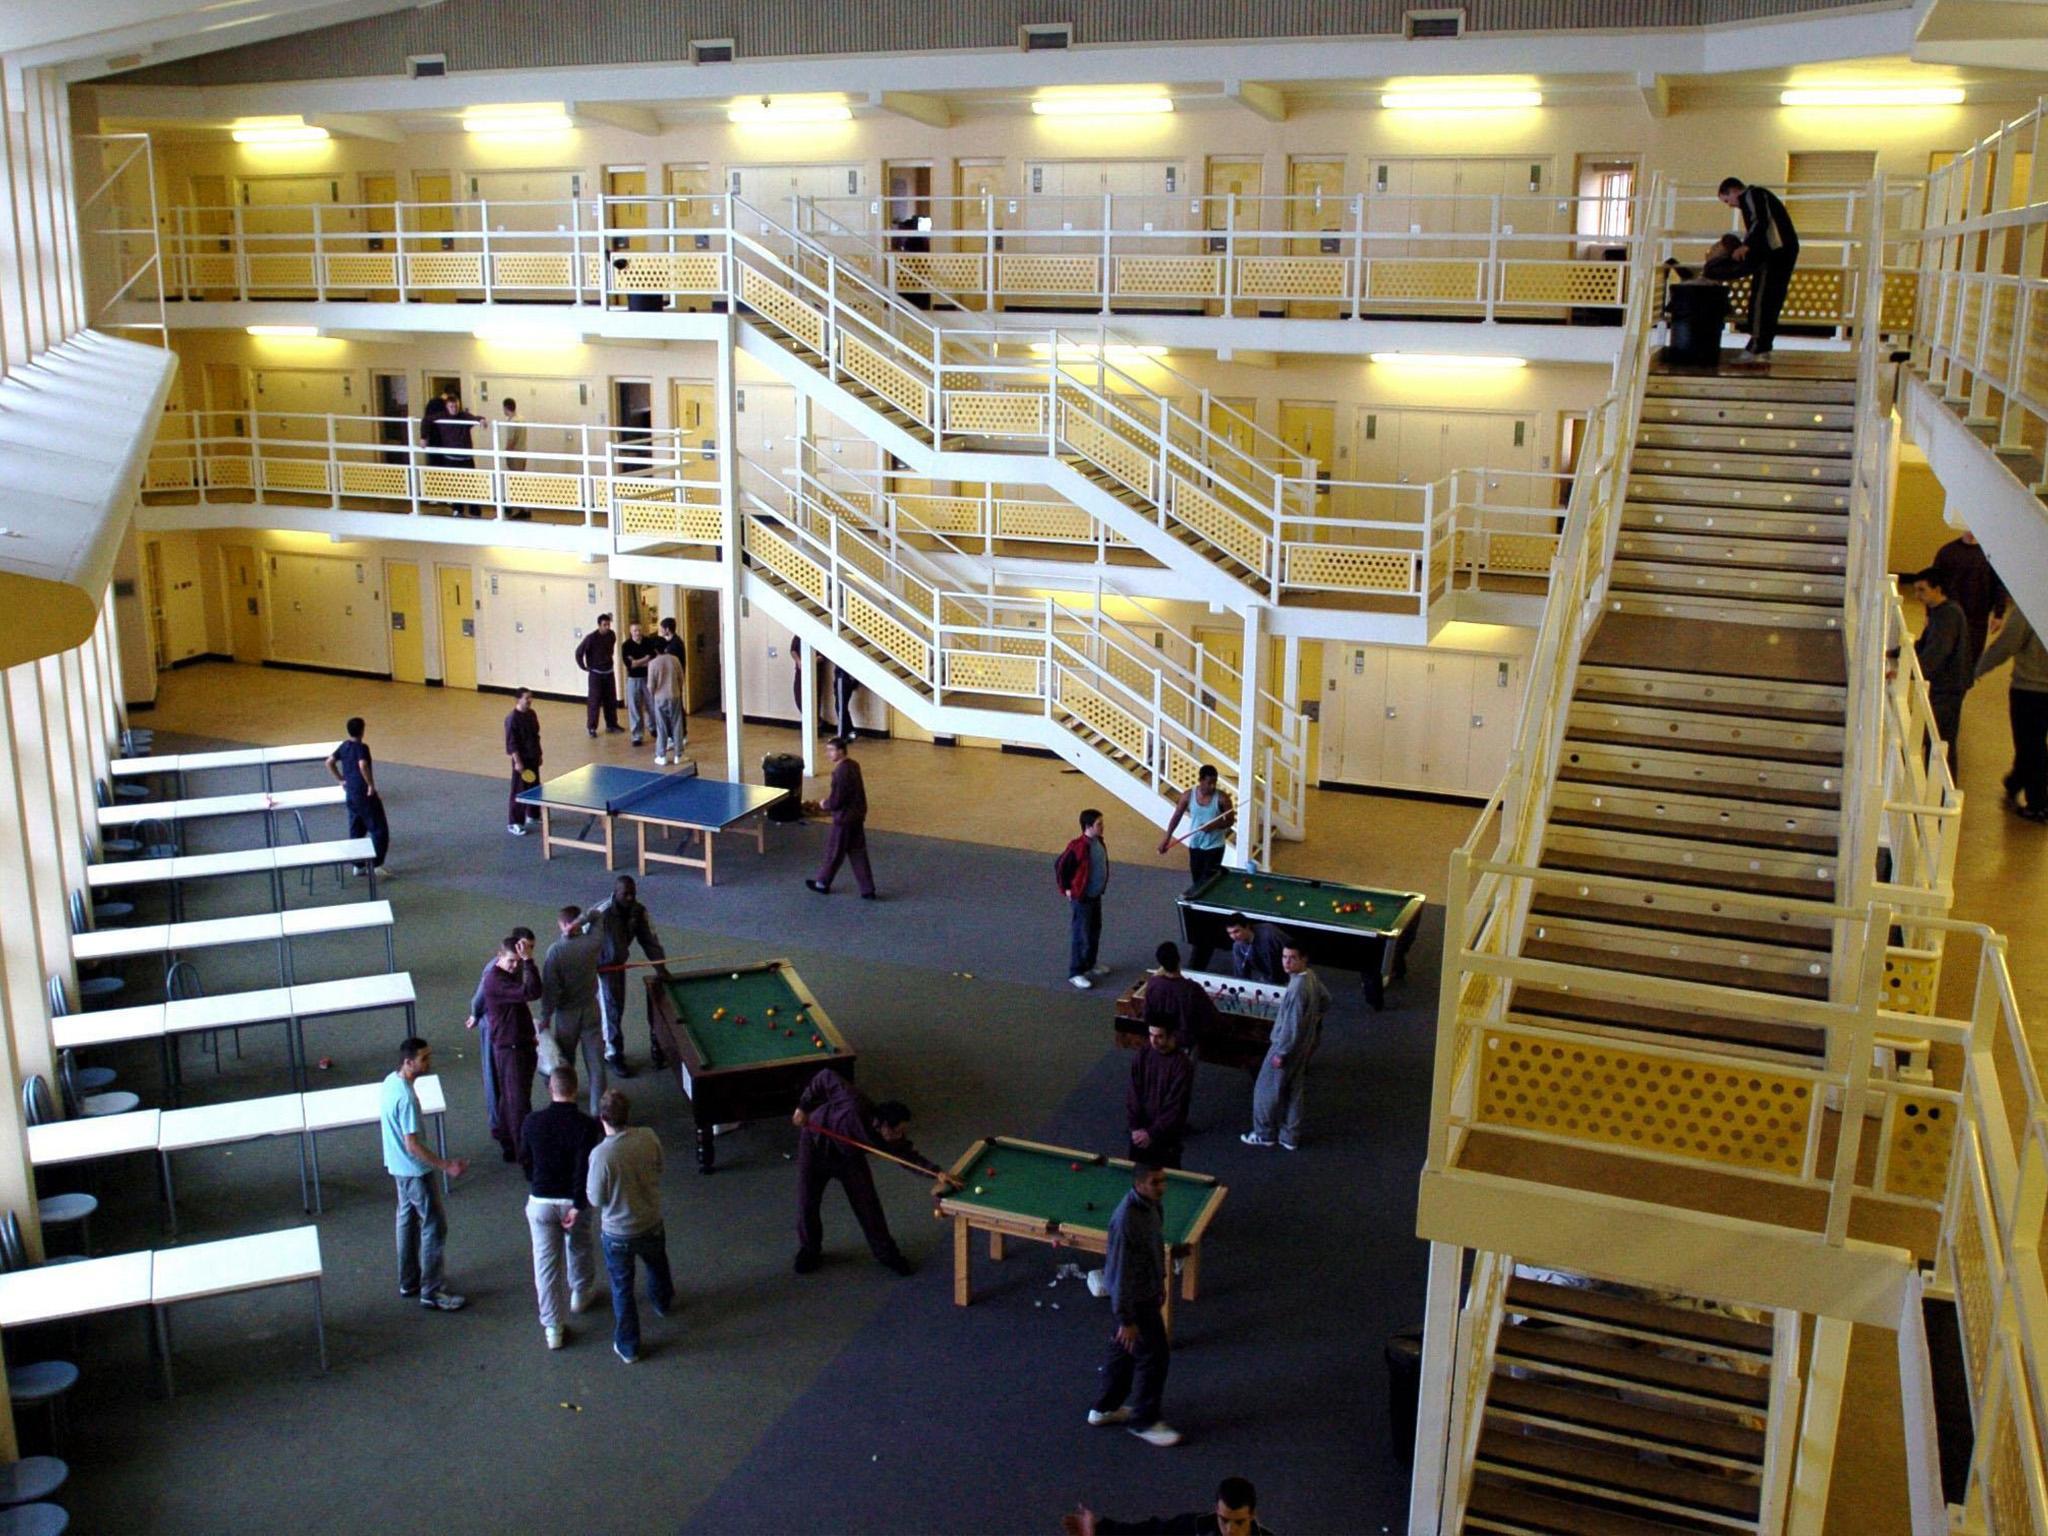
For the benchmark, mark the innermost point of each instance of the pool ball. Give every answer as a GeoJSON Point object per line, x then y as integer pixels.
{"type": "Point", "coordinates": [977, 1189]}
{"type": "Point", "coordinates": [1087, 1205]}
{"type": "Point", "coordinates": [1247, 885]}
{"type": "Point", "coordinates": [771, 1013]}
{"type": "Point", "coordinates": [1075, 1166]}
{"type": "Point", "coordinates": [1368, 906]}
{"type": "Point", "coordinates": [735, 975]}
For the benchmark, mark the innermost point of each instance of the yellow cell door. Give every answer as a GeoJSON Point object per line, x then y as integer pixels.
{"type": "Point", "coordinates": [408, 639]}
{"type": "Point", "coordinates": [694, 412]}
{"type": "Point", "coordinates": [1232, 204]}
{"type": "Point", "coordinates": [243, 579]}
{"type": "Point", "coordinates": [1309, 427]}
{"type": "Point", "coordinates": [458, 626]}
{"type": "Point", "coordinates": [434, 192]}
{"type": "Point", "coordinates": [626, 181]}
{"type": "Point", "coordinates": [1315, 210]}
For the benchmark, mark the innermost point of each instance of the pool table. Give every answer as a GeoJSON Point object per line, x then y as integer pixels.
{"type": "Point", "coordinates": [744, 1041]}
{"type": "Point", "coordinates": [1347, 927]}
{"type": "Point", "coordinates": [1247, 1009]}
{"type": "Point", "coordinates": [1056, 1195]}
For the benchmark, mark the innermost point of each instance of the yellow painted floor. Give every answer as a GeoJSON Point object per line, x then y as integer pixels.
{"type": "Point", "coordinates": [1004, 799]}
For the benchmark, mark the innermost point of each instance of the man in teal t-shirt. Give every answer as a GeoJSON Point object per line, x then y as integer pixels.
{"type": "Point", "coordinates": [422, 1223]}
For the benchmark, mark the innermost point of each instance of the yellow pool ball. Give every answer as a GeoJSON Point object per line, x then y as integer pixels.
{"type": "Point", "coordinates": [771, 1013]}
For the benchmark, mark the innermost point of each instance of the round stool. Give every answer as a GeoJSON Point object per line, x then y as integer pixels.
{"type": "Point", "coordinates": [109, 914]}
{"type": "Point", "coordinates": [119, 1102]}
{"type": "Point", "coordinates": [67, 1211]}
{"type": "Point", "coordinates": [94, 1079]}
{"type": "Point", "coordinates": [120, 847]}
{"type": "Point", "coordinates": [34, 1520]}
{"type": "Point", "coordinates": [43, 1384]}
{"type": "Point", "coordinates": [100, 989]}
{"type": "Point", "coordinates": [31, 1479]}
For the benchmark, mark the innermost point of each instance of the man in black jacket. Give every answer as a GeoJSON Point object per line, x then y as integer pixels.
{"type": "Point", "coordinates": [1768, 251]}
{"type": "Point", "coordinates": [597, 655]}
{"type": "Point", "coordinates": [1943, 651]}
{"type": "Point", "coordinates": [522, 750]}
{"type": "Point", "coordinates": [1236, 1514]}
{"type": "Point", "coordinates": [445, 434]}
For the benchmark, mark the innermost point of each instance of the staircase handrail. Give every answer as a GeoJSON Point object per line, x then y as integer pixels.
{"type": "Point", "coordinates": [1479, 1325]}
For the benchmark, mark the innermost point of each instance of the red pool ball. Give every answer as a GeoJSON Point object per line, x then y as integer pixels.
{"type": "Point", "coordinates": [1076, 1167]}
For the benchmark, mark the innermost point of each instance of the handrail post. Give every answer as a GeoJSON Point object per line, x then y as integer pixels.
{"type": "Point", "coordinates": [1108, 263]}
{"type": "Point", "coordinates": [1358, 249]}
{"type": "Point", "coordinates": [319, 258]}
{"type": "Point", "coordinates": [333, 467]}
{"type": "Point", "coordinates": [398, 249]}
{"type": "Point", "coordinates": [240, 228]}
{"type": "Point", "coordinates": [1492, 278]}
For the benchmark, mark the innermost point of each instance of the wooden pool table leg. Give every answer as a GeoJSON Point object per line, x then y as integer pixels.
{"type": "Point", "coordinates": [1190, 1273]}
{"type": "Point", "coordinates": [1166, 1309]}
{"type": "Point", "coordinates": [961, 1259]}
{"type": "Point", "coordinates": [710, 848]}
{"type": "Point", "coordinates": [995, 1245]}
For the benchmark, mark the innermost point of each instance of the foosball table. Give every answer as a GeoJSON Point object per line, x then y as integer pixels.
{"type": "Point", "coordinates": [1248, 1009]}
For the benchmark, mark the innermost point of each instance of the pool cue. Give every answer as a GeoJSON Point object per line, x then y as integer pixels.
{"type": "Point", "coordinates": [635, 965]}
{"type": "Point", "coordinates": [900, 1162]}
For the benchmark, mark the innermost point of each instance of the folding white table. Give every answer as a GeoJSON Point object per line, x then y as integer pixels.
{"type": "Point", "coordinates": [51, 1293]}
{"type": "Point", "coordinates": [352, 994]}
{"type": "Point", "coordinates": [179, 764]}
{"type": "Point", "coordinates": [210, 1125]}
{"type": "Point", "coordinates": [87, 1138]}
{"type": "Point", "coordinates": [259, 802]}
{"type": "Point", "coordinates": [335, 1109]}
{"type": "Point", "coordinates": [109, 1026]}
{"type": "Point", "coordinates": [172, 939]}
{"type": "Point", "coordinates": [290, 1257]}
{"type": "Point", "coordinates": [269, 862]}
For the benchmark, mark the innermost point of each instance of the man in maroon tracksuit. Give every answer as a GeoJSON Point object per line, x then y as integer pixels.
{"type": "Point", "coordinates": [1156, 1103]}
{"type": "Point", "coordinates": [522, 746]}
{"type": "Point", "coordinates": [848, 805]}
{"type": "Point", "coordinates": [1172, 999]}
{"type": "Point", "coordinates": [597, 655]}
{"type": "Point", "coordinates": [831, 1104]}
{"type": "Point", "coordinates": [510, 985]}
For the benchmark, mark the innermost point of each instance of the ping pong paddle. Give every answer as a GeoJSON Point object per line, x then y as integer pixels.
{"type": "Point", "coordinates": [527, 775]}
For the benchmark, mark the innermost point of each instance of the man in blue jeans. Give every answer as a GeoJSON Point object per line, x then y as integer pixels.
{"type": "Point", "coordinates": [1083, 873]}
{"type": "Point", "coordinates": [422, 1224]}
{"type": "Point", "coordinates": [625, 1189]}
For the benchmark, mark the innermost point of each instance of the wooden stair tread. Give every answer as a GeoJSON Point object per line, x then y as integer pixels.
{"type": "Point", "coordinates": [1595, 957]}
{"type": "Point", "coordinates": [1706, 832]}
{"type": "Point", "coordinates": [1755, 882]}
{"type": "Point", "coordinates": [1685, 1324]}
{"type": "Point", "coordinates": [1692, 1024]}
{"type": "Point", "coordinates": [1761, 794]}
{"type": "Point", "coordinates": [1711, 648]}
{"type": "Point", "coordinates": [1787, 714]}
{"type": "Point", "coordinates": [1632, 584]}
{"type": "Point", "coordinates": [1804, 757]}
{"type": "Point", "coordinates": [1706, 925]}
{"type": "Point", "coordinates": [1598, 1469]}
{"type": "Point", "coordinates": [1637, 1367]}
{"type": "Point", "coordinates": [1733, 563]}
{"type": "Point", "coordinates": [1518, 1507]}
{"type": "Point", "coordinates": [1596, 1410]}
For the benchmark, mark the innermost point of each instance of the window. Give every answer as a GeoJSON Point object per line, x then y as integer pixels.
{"type": "Point", "coordinates": [1606, 198]}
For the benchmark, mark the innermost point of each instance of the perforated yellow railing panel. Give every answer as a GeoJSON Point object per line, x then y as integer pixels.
{"type": "Point", "coordinates": [784, 308]}
{"type": "Point", "coordinates": [367, 269]}
{"type": "Point", "coordinates": [1612, 1096]}
{"type": "Point", "coordinates": [282, 271]}
{"type": "Point", "coordinates": [386, 480]}
{"type": "Point", "coordinates": [995, 413]}
{"type": "Point", "coordinates": [1219, 524]}
{"type": "Point", "coordinates": [533, 269]}
{"type": "Point", "coordinates": [1336, 567]}
{"type": "Point", "coordinates": [667, 272]}
{"type": "Point", "coordinates": [890, 380]}
{"type": "Point", "coordinates": [1293, 277]}
{"type": "Point", "coordinates": [1172, 277]}
{"type": "Point", "coordinates": [882, 630]}
{"type": "Point", "coordinates": [1093, 709]}
{"type": "Point", "coordinates": [1412, 279]}
{"type": "Point", "coordinates": [458, 485]}
{"type": "Point", "coordinates": [785, 560]}
{"type": "Point", "coordinates": [919, 272]}
{"type": "Point", "coordinates": [983, 672]}
{"type": "Point", "coordinates": [1922, 1127]}
{"type": "Point", "coordinates": [444, 269]}
{"type": "Point", "coordinates": [1561, 282]}
{"type": "Point", "coordinates": [1042, 520]}
{"type": "Point", "coordinates": [227, 472]}
{"type": "Point", "coordinates": [1910, 981]}
{"type": "Point", "coordinates": [1901, 299]}
{"type": "Point", "coordinates": [530, 488]}
{"type": "Point", "coordinates": [295, 475]}
{"type": "Point", "coordinates": [1099, 445]}
{"type": "Point", "coordinates": [1048, 274]}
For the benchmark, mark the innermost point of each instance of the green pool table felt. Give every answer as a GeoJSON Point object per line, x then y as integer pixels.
{"type": "Point", "coordinates": [1285, 898]}
{"type": "Point", "coordinates": [1042, 1185]}
{"type": "Point", "coordinates": [724, 1041]}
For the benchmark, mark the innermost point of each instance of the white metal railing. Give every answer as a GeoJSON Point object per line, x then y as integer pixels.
{"type": "Point", "coordinates": [378, 463]}
{"type": "Point", "coordinates": [119, 234]}
{"type": "Point", "coordinates": [1478, 1338]}
{"type": "Point", "coordinates": [1982, 337]}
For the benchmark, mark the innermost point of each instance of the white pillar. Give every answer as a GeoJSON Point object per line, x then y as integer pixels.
{"type": "Point", "coordinates": [1249, 810]}
{"type": "Point", "coordinates": [807, 709]}
{"type": "Point", "coordinates": [1433, 1410]}
{"type": "Point", "coordinates": [729, 593]}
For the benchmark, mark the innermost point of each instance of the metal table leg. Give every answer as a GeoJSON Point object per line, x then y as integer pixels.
{"type": "Point", "coordinates": [320, 1321]}
{"type": "Point", "coordinates": [313, 1155]}
{"type": "Point", "coordinates": [170, 1192]}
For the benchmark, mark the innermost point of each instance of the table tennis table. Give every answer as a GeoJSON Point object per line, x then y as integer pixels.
{"type": "Point", "coordinates": [681, 801]}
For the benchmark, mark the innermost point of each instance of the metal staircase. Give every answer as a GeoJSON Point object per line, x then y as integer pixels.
{"type": "Point", "coordinates": [1021, 668]}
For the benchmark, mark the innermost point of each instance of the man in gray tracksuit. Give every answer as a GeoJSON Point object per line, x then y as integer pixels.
{"type": "Point", "coordinates": [1297, 1031]}
{"type": "Point", "coordinates": [2026, 782]}
{"type": "Point", "coordinates": [568, 999]}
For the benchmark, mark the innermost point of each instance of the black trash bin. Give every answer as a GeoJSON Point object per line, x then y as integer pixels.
{"type": "Point", "coordinates": [784, 770]}
{"type": "Point", "coordinates": [646, 301]}
{"type": "Point", "coordinates": [1404, 1392]}
{"type": "Point", "coordinates": [1699, 314]}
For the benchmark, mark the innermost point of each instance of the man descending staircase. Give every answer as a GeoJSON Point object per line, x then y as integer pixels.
{"type": "Point", "coordinates": [1704, 744]}
{"type": "Point", "coordinates": [1614, 1413]}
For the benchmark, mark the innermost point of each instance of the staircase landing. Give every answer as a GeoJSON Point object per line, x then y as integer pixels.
{"type": "Point", "coordinates": [1712, 649]}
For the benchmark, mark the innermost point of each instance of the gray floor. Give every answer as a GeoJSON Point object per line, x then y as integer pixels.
{"type": "Point", "coordinates": [849, 1401]}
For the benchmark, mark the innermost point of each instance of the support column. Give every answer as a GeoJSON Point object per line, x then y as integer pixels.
{"type": "Point", "coordinates": [1433, 1409]}
{"type": "Point", "coordinates": [807, 711]}
{"type": "Point", "coordinates": [733, 562]}
{"type": "Point", "coordinates": [1250, 811]}
{"type": "Point", "coordinates": [1814, 1465]}
{"type": "Point", "coordinates": [24, 1005]}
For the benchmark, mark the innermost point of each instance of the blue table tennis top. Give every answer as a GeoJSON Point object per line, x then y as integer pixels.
{"type": "Point", "coordinates": [603, 789]}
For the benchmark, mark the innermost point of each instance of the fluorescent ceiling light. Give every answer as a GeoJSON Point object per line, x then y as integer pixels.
{"type": "Point", "coordinates": [1474, 360]}
{"type": "Point", "coordinates": [276, 130]}
{"type": "Point", "coordinates": [1084, 105]}
{"type": "Point", "coordinates": [518, 119]}
{"type": "Point", "coordinates": [513, 335]}
{"type": "Point", "coordinates": [769, 113]}
{"type": "Point", "coordinates": [1115, 351]}
{"type": "Point", "coordinates": [1872, 96]}
{"type": "Point", "coordinates": [283, 330]}
{"type": "Point", "coordinates": [1452, 99]}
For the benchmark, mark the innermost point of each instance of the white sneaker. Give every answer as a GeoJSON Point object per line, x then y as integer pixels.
{"type": "Point", "coordinates": [1096, 1285]}
{"type": "Point", "coordinates": [1160, 1434]}
{"type": "Point", "coordinates": [1254, 1139]}
{"type": "Point", "coordinates": [515, 829]}
{"type": "Point", "coordinates": [1082, 982]}
{"type": "Point", "coordinates": [660, 761]}
{"type": "Point", "coordinates": [555, 1337]}
{"type": "Point", "coordinates": [1114, 1416]}
{"type": "Point", "coordinates": [1100, 970]}
{"type": "Point", "coordinates": [580, 1301]}
{"type": "Point", "coordinates": [1289, 1146]}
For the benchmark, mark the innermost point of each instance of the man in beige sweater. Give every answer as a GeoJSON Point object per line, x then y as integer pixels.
{"type": "Point", "coordinates": [665, 690]}
{"type": "Point", "coordinates": [625, 1189]}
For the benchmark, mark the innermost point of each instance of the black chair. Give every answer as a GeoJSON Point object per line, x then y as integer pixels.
{"type": "Point", "coordinates": [89, 1105]}
{"type": "Point", "coordinates": [90, 1079]}
{"type": "Point", "coordinates": [99, 988]}
{"type": "Point", "coordinates": [35, 1519]}
{"type": "Point", "coordinates": [105, 914]}
{"type": "Point", "coordinates": [30, 1481]}
{"type": "Point", "coordinates": [104, 795]}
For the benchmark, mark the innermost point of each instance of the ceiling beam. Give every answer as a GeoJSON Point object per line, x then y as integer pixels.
{"type": "Point", "coordinates": [355, 125]}
{"type": "Point", "coordinates": [1267, 101]}
{"type": "Point", "coordinates": [1656, 91]}
{"type": "Point", "coordinates": [918, 106]}
{"type": "Point", "coordinates": [640, 120]}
